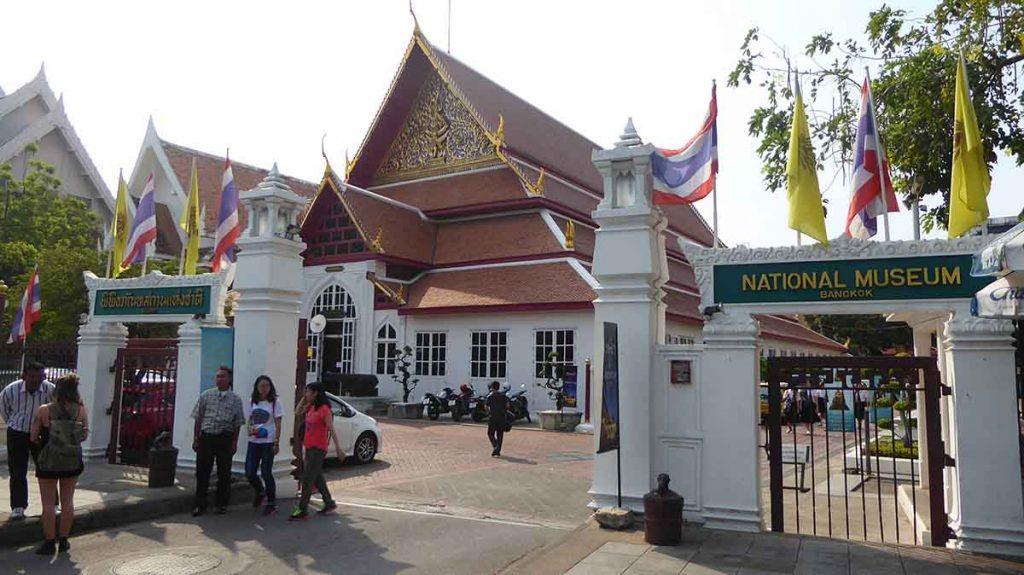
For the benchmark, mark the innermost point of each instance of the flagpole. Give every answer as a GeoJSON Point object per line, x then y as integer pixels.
{"type": "Point", "coordinates": [798, 241]}
{"type": "Point", "coordinates": [714, 213]}
{"type": "Point", "coordinates": [110, 257]}
{"type": "Point", "coordinates": [878, 155]}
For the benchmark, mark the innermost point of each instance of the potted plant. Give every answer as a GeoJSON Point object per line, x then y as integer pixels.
{"type": "Point", "coordinates": [556, 419]}
{"type": "Point", "coordinates": [403, 375]}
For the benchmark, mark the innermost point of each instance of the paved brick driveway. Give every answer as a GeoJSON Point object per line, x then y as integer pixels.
{"type": "Point", "coordinates": [542, 477]}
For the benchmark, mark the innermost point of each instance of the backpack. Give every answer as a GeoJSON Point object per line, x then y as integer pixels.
{"type": "Point", "coordinates": [63, 449]}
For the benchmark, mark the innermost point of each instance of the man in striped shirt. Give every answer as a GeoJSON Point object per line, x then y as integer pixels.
{"type": "Point", "coordinates": [18, 404]}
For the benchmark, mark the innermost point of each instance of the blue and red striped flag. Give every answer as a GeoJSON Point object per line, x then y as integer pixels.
{"type": "Point", "coordinates": [866, 197]}
{"type": "Point", "coordinates": [228, 226]}
{"type": "Point", "coordinates": [144, 226]}
{"type": "Point", "coordinates": [30, 311]}
{"type": "Point", "coordinates": [687, 174]}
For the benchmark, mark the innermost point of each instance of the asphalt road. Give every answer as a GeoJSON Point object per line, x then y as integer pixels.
{"type": "Point", "coordinates": [357, 539]}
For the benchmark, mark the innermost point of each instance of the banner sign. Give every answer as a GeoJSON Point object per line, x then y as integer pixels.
{"type": "Point", "coordinates": [609, 438]}
{"type": "Point", "coordinates": [153, 301]}
{"type": "Point", "coordinates": [569, 386]}
{"type": "Point", "coordinates": [923, 277]}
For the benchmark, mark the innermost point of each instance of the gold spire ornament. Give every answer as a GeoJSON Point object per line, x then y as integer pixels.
{"type": "Point", "coordinates": [570, 235]}
{"type": "Point", "coordinates": [499, 134]}
{"type": "Point", "coordinates": [349, 166]}
{"type": "Point", "coordinates": [377, 244]}
{"type": "Point", "coordinates": [538, 187]}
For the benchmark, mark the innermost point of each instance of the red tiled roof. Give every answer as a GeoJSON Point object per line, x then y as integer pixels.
{"type": "Point", "coordinates": [457, 191]}
{"type": "Point", "coordinates": [210, 169]}
{"type": "Point", "coordinates": [494, 238]}
{"type": "Point", "coordinates": [536, 286]}
{"type": "Point", "coordinates": [683, 307]}
{"type": "Point", "coordinates": [785, 328]}
{"type": "Point", "coordinates": [167, 239]}
{"type": "Point", "coordinates": [403, 233]}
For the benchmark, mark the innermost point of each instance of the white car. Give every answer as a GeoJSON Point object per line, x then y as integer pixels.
{"type": "Point", "coordinates": [358, 433]}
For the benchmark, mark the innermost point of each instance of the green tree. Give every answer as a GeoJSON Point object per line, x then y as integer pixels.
{"type": "Point", "coordinates": [913, 87]}
{"type": "Point", "coordinates": [56, 232]}
{"type": "Point", "coordinates": [866, 334]}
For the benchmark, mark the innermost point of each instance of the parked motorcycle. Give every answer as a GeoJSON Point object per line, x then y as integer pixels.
{"type": "Point", "coordinates": [459, 405]}
{"type": "Point", "coordinates": [438, 404]}
{"type": "Point", "coordinates": [517, 405]}
{"type": "Point", "coordinates": [478, 408]}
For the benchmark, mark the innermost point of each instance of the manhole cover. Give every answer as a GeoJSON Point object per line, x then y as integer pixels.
{"type": "Point", "coordinates": [169, 564]}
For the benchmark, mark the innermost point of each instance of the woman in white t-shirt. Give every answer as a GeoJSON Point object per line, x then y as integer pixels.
{"type": "Point", "coordinates": [263, 417]}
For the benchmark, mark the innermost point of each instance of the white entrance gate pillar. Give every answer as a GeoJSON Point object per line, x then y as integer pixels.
{"type": "Point", "coordinates": [630, 266]}
{"type": "Point", "coordinates": [732, 494]}
{"type": "Point", "coordinates": [989, 515]}
{"type": "Point", "coordinates": [98, 342]}
{"type": "Point", "coordinates": [269, 282]}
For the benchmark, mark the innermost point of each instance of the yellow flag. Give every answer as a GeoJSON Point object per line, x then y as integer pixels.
{"type": "Point", "coordinates": [806, 213]}
{"type": "Point", "coordinates": [970, 183]}
{"type": "Point", "coordinates": [120, 227]}
{"type": "Point", "coordinates": [190, 223]}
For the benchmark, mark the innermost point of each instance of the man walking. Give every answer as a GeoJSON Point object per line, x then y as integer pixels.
{"type": "Point", "coordinates": [497, 407]}
{"type": "Point", "coordinates": [18, 404]}
{"type": "Point", "coordinates": [218, 415]}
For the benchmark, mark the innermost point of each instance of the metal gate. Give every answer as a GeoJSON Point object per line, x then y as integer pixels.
{"type": "Point", "coordinates": [842, 448]}
{"type": "Point", "coordinates": [146, 373]}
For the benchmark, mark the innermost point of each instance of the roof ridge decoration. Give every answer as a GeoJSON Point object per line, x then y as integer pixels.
{"type": "Point", "coordinates": [330, 181]}
{"type": "Point", "coordinates": [496, 137]}
{"type": "Point", "coordinates": [397, 296]}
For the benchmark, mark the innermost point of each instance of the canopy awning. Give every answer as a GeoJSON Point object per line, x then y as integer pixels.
{"type": "Point", "coordinates": [1003, 255]}
{"type": "Point", "coordinates": [1001, 299]}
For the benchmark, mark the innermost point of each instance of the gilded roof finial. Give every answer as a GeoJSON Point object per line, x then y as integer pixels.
{"type": "Point", "coordinates": [349, 165]}
{"type": "Point", "coordinates": [377, 245]}
{"type": "Point", "coordinates": [415, 22]}
{"type": "Point", "coordinates": [570, 235]}
{"type": "Point", "coordinates": [323, 152]}
{"type": "Point", "coordinates": [499, 135]}
{"type": "Point", "coordinates": [538, 187]}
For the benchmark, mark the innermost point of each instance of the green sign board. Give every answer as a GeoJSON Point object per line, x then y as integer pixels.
{"type": "Point", "coordinates": [153, 301]}
{"type": "Point", "coordinates": [923, 277]}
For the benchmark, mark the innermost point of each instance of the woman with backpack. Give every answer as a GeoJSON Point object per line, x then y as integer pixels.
{"type": "Point", "coordinates": [59, 429]}
{"type": "Point", "coordinates": [263, 416]}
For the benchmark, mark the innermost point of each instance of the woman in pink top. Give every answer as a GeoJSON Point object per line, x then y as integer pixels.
{"type": "Point", "coordinates": [319, 422]}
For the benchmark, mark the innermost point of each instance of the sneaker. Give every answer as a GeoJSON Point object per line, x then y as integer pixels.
{"type": "Point", "coordinates": [47, 548]}
{"type": "Point", "coordinates": [328, 508]}
{"type": "Point", "coordinates": [257, 500]}
{"type": "Point", "coordinates": [63, 546]}
{"type": "Point", "coordinates": [298, 515]}
{"type": "Point", "coordinates": [270, 509]}
{"type": "Point", "coordinates": [17, 514]}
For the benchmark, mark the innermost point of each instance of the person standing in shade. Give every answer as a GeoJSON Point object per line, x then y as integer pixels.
{"type": "Point", "coordinates": [263, 414]}
{"type": "Point", "coordinates": [497, 408]}
{"type": "Point", "coordinates": [319, 423]}
{"type": "Point", "coordinates": [218, 415]}
{"type": "Point", "coordinates": [19, 402]}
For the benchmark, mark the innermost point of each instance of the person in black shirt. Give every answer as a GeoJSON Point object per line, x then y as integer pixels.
{"type": "Point", "coordinates": [497, 407]}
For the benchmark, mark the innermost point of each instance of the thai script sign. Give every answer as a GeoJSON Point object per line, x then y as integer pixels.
{"type": "Point", "coordinates": [153, 301]}
{"type": "Point", "coordinates": [924, 277]}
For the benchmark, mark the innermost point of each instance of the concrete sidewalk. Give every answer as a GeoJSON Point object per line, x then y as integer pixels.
{"type": "Point", "coordinates": [107, 496]}
{"type": "Point", "coordinates": [590, 550]}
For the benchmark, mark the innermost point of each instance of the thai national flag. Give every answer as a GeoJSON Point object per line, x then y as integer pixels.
{"type": "Point", "coordinates": [144, 226]}
{"type": "Point", "coordinates": [866, 199]}
{"type": "Point", "coordinates": [686, 175]}
{"type": "Point", "coordinates": [30, 311]}
{"type": "Point", "coordinates": [228, 227]}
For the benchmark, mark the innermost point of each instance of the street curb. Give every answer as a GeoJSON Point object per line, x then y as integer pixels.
{"type": "Point", "coordinates": [482, 424]}
{"type": "Point", "coordinates": [115, 514]}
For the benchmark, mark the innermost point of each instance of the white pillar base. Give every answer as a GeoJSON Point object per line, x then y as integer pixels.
{"type": "Point", "coordinates": [98, 342]}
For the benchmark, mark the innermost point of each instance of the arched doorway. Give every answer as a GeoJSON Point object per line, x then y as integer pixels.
{"type": "Point", "coordinates": [332, 351]}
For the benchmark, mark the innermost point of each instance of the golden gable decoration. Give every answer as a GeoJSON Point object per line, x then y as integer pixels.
{"type": "Point", "coordinates": [440, 136]}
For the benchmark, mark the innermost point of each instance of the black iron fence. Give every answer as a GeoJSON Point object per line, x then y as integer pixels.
{"type": "Point", "coordinates": [58, 357]}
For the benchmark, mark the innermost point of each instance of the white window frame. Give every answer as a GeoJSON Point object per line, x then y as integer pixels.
{"type": "Point", "coordinates": [545, 348]}
{"type": "Point", "coordinates": [331, 298]}
{"type": "Point", "coordinates": [434, 354]}
{"type": "Point", "coordinates": [385, 349]}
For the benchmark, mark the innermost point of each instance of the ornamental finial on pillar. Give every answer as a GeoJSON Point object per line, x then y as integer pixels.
{"type": "Point", "coordinates": [629, 137]}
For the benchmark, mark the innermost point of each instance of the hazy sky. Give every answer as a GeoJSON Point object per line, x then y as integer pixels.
{"type": "Point", "coordinates": [267, 79]}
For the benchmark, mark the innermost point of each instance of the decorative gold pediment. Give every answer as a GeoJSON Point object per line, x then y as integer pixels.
{"type": "Point", "coordinates": [440, 136]}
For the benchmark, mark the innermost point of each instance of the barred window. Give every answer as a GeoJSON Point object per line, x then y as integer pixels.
{"type": "Point", "coordinates": [489, 354]}
{"type": "Point", "coordinates": [387, 348]}
{"type": "Point", "coordinates": [431, 353]}
{"type": "Point", "coordinates": [560, 341]}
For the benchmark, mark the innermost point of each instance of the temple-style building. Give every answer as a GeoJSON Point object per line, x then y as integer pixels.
{"type": "Point", "coordinates": [32, 114]}
{"type": "Point", "coordinates": [462, 228]}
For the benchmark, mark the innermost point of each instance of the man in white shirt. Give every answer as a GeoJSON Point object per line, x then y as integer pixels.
{"type": "Point", "coordinates": [18, 404]}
